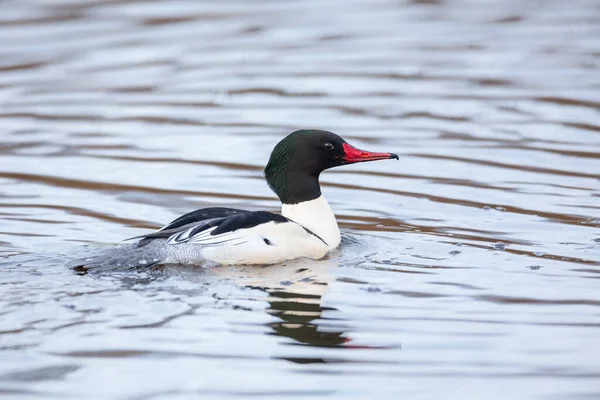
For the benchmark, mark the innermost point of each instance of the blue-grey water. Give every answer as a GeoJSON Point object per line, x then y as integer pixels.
{"type": "Point", "coordinates": [469, 269]}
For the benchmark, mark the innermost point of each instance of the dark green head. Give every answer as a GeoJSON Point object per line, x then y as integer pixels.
{"type": "Point", "coordinates": [297, 161]}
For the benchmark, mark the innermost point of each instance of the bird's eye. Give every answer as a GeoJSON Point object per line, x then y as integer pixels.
{"type": "Point", "coordinates": [328, 146]}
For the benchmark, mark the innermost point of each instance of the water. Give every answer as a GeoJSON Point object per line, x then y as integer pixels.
{"type": "Point", "coordinates": [468, 270]}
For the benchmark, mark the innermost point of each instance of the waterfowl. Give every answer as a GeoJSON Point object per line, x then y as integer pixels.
{"type": "Point", "coordinates": [306, 226]}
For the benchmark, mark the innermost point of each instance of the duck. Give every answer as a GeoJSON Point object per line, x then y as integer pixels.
{"type": "Point", "coordinates": [306, 226]}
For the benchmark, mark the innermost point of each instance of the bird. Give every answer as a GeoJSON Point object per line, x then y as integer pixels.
{"type": "Point", "coordinates": [306, 226]}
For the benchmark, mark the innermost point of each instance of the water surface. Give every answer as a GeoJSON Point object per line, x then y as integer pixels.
{"type": "Point", "coordinates": [468, 270]}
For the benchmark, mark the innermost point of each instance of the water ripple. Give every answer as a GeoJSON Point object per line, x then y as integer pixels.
{"type": "Point", "coordinates": [470, 267]}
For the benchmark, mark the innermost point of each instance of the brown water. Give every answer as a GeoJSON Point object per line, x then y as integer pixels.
{"type": "Point", "coordinates": [118, 116]}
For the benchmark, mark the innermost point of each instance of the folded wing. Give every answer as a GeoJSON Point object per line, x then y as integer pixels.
{"type": "Point", "coordinates": [211, 226]}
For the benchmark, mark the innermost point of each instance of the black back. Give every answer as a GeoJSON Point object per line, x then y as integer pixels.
{"type": "Point", "coordinates": [224, 219]}
{"type": "Point", "coordinates": [247, 220]}
{"type": "Point", "coordinates": [201, 215]}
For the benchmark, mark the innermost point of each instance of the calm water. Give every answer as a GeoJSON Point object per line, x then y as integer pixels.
{"type": "Point", "coordinates": [469, 270]}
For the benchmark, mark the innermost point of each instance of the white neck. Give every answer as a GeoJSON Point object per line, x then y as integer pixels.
{"type": "Point", "coordinates": [315, 215]}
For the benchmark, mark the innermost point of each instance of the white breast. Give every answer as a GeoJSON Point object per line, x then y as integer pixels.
{"type": "Point", "coordinates": [317, 216]}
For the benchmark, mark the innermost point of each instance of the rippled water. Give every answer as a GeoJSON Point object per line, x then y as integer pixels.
{"type": "Point", "coordinates": [469, 269]}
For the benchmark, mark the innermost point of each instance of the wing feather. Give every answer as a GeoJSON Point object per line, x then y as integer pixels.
{"type": "Point", "coordinates": [212, 226]}
{"type": "Point", "coordinates": [226, 230]}
{"type": "Point", "coordinates": [198, 219]}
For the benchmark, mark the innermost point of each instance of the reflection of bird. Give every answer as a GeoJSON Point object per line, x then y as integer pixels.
{"type": "Point", "coordinates": [295, 292]}
{"type": "Point", "coordinates": [298, 313]}
{"type": "Point", "coordinates": [306, 226]}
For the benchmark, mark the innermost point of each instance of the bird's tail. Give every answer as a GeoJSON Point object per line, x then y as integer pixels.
{"type": "Point", "coordinates": [126, 257]}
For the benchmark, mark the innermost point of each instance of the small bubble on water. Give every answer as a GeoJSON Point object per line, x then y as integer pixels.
{"type": "Point", "coordinates": [372, 289]}
{"type": "Point", "coordinates": [142, 262]}
{"type": "Point", "coordinates": [458, 244]}
{"type": "Point", "coordinates": [499, 246]}
{"type": "Point", "coordinates": [534, 267]}
{"type": "Point", "coordinates": [455, 252]}
{"type": "Point", "coordinates": [307, 279]}
{"type": "Point", "coordinates": [540, 253]}
{"type": "Point", "coordinates": [486, 208]}
{"type": "Point", "coordinates": [286, 283]}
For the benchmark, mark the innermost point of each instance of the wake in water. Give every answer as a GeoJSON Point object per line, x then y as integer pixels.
{"type": "Point", "coordinates": [125, 257]}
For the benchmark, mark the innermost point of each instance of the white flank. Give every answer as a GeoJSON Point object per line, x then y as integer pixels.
{"type": "Point", "coordinates": [317, 216]}
{"type": "Point", "coordinates": [267, 243]}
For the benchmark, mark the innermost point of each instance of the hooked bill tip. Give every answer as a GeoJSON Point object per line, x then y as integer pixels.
{"type": "Point", "coordinates": [393, 155]}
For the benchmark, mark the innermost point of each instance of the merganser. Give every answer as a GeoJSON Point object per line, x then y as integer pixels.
{"type": "Point", "coordinates": [306, 226]}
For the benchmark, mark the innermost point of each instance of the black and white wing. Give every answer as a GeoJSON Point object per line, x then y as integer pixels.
{"type": "Point", "coordinates": [213, 225]}
{"type": "Point", "coordinates": [192, 219]}
{"type": "Point", "coordinates": [228, 229]}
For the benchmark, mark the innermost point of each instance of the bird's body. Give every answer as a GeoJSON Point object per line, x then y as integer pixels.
{"type": "Point", "coordinates": [306, 226]}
